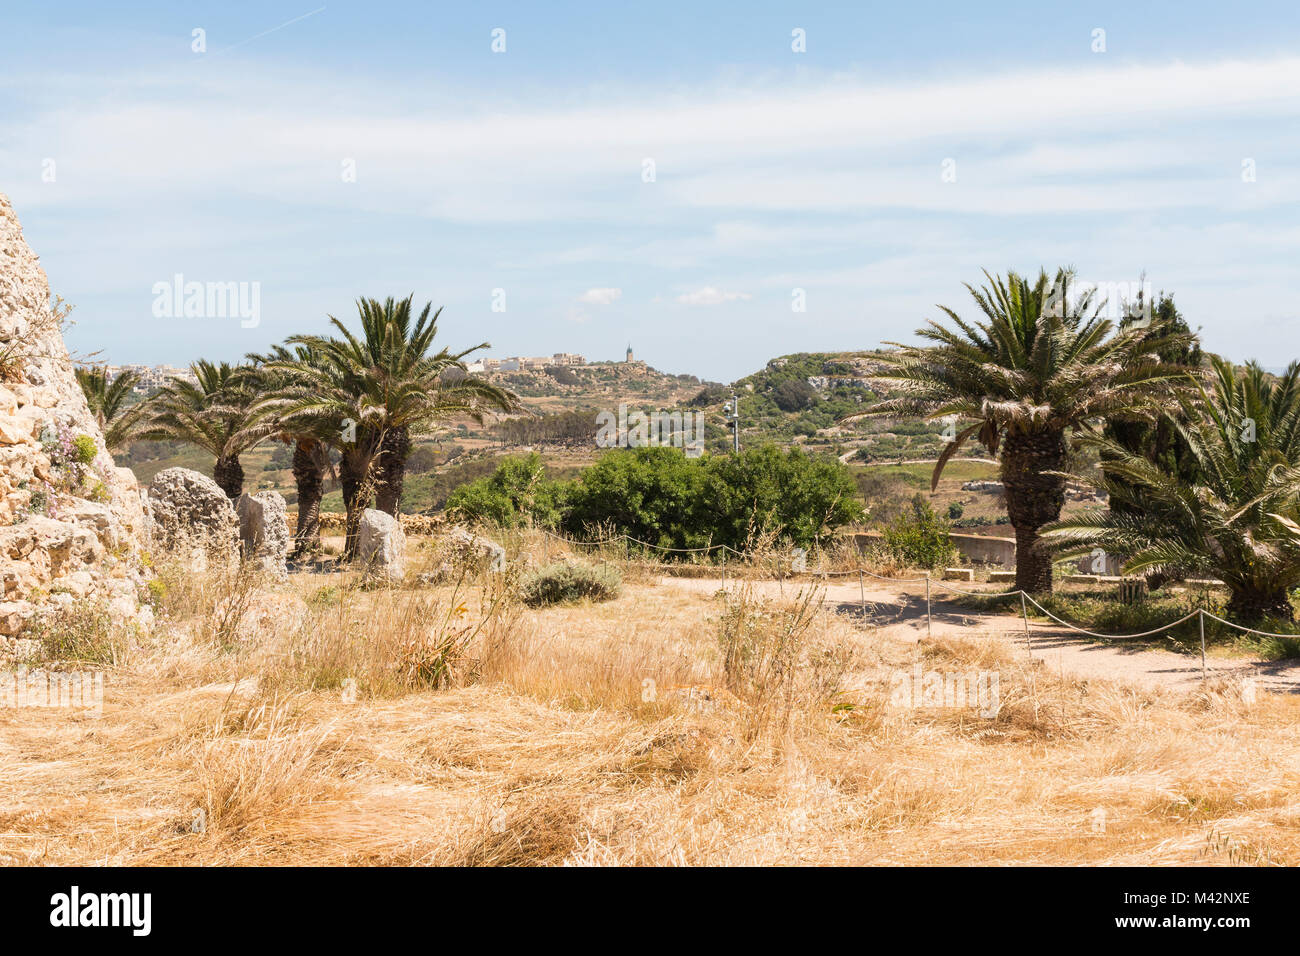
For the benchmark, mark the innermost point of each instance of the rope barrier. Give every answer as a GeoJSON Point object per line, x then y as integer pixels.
{"type": "Point", "coordinates": [1026, 596]}
{"type": "Point", "coordinates": [1241, 627]}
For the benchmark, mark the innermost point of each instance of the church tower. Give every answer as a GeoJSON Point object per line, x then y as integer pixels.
{"type": "Point", "coordinates": [629, 353]}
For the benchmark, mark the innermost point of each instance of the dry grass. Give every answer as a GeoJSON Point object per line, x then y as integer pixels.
{"type": "Point", "coordinates": [320, 722]}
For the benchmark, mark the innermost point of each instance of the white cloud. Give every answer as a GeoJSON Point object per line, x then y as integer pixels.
{"type": "Point", "coordinates": [600, 296]}
{"type": "Point", "coordinates": [1082, 141]}
{"type": "Point", "coordinates": [832, 185]}
{"type": "Point", "coordinates": [710, 296]}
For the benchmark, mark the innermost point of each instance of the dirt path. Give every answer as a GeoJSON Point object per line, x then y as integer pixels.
{"type": "Point", "coordinates": [898, 610]}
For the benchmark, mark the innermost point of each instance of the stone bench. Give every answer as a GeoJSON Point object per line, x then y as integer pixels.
{"type": "Point", "coordinates": [959, 574]}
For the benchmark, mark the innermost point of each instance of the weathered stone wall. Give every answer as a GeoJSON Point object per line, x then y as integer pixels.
{"type": "Point", "coordinates": [71, 522]}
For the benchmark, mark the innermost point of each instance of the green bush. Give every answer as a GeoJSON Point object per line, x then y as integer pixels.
{"type": "Point", "coordinates": [84, 449]}
{"type": "Point", "coordinates": [955, 510]}
{"type": "Point", "coordinates": [565, 583]}
{"type": "Point", "coordinates": [516, 492]}
{"type": "Point", "coordinates": [660, 496]}
{"type": "Point", "coordinates": [920, 538]}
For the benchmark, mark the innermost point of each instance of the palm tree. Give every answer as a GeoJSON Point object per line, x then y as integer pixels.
{"type": "Point", "coordinates": [1235, 520]}
{"type": "Point", "coordinates": [107, 400]}
{"type": "Point", "coordinates": [1035, 368]}
{"type": "Point", "coordinates": [215, 413]}
{"type": "Point", "coordinates": [311, 437]}
{"type": "Point", "coordinates": [379, 387]}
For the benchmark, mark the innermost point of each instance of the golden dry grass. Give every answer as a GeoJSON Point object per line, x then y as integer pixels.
{"type": "Point", "coordinates": [323, 723]}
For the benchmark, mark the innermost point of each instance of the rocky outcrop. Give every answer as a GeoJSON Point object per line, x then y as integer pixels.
{"type": "Point", "coordinates": [264, 531]}
{"type": "Point", "coordinates": [473, 549]}
{"type": "Point", "coordinates": [71, 522]}
{"type": "Point", "coordinates": [461, 551]}
{"type": "Point", "coordinates": [191, 519]}
{"type": "Point", "coordinates": [381, 546]}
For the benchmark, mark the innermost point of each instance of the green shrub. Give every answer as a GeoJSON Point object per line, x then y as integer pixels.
{"type": "Point", "coordinates": [82, 632]}
{"type": "Point", "coordinates": [565, 583]}
{"type": "Point", "coordinates": [920, 538]}
{"type": "Point", "coordinates": [516, 492]}
{"type": "Point", "coordinates": [660, 496]}
{"type": "Point", "coordinates": [84, 449]}
{"type": "Point", "coordinates": [955, 510]}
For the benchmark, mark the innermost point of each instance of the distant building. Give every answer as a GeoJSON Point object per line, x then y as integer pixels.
{"type": "Point", "coordinates": [630, 360]}
{"type": "Point", "coordinates": [150, 376]}
{"type": "Point", "coordinates": [516, 362]}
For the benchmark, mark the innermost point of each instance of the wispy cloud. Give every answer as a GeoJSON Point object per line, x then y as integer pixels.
{"type": "Point", "coordinates": [710, 296]}
{"type": "Point", "coordinates": [835, 185]}
{"type": "Point", "coordinates": [600, 296]}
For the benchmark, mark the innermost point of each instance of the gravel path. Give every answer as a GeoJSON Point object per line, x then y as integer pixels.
{"type": "Point", "coordinates": [898, 611]}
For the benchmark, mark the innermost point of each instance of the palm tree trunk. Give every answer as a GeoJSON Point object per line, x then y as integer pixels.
{"type": "Point", "coordinates": [309, 476]}
{"type": "Point", "coordinates": [1249, 605]}
{"type": "Point", "coordinates": [1033, 499]}
{"type": "Point", "coordinates": [391, 469]}
{"type": "Point", "coordinates": [350, 483]}
{"type": "Point", "coordinates": [228, 473]}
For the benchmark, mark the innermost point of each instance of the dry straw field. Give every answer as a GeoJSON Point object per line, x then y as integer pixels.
{"type": "Point", "coordinates": [323, 722]}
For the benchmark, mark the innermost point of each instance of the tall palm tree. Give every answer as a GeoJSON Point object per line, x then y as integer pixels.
{"type": "Point", "coordinates": [310, 436]}
{"type": "Point", "coordinates": [380, 386]}
{"type": "Point", "coordinates": [215, 413]}
{"type": "Point", "coordinates": [1235, 521]}
{"type": "Point", "coordinates": [107, 400]}
{"type": "Point", "coordinates": [1040, 364]}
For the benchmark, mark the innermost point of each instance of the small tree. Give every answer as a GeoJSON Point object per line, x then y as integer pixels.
{"type": "Point", "coordinates": [919, 537]}
{"type": "Point", "coordinates": [215, 413]}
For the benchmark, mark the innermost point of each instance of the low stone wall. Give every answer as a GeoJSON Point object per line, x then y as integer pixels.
{"type": "Point", "coordinates": [975, 548]}
{"type": "Point", "coordinates": [332, 522]}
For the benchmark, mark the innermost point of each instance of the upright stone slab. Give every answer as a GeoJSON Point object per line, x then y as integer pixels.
{"type": "Point", "coordinates": [381, 546]}
{"type": "Point", "coordinates": [264, 531]}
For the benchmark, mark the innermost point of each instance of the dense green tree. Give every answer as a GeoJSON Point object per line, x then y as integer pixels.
{"type": "Point", "coordinates": [659, 496]}
{"type": "Point", "coordinates": [518, 492]}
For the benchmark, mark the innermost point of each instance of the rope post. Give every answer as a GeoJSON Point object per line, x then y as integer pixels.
{"type": "Point", "coordinates": [1201, 617]}
{"type": "Point", "coordinates": [927, 605]}
{"type": "Point", "coordinates": [1024, 609]}
{"type": "Point", "coordinates": [862, 594]}
{"type": "Point", "coordinates": [724, 573]}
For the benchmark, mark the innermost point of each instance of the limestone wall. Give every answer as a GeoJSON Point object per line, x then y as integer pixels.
{"type": "Point", "coordinates": [72, 525]}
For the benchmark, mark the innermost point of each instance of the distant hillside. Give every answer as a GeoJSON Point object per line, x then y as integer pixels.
{"type": "Point", "coordinates": [801, 398]}
{"type": "Point", "coordinates": [795, 399]}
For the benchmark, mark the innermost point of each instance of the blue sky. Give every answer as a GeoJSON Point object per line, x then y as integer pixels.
{"type": "Point", "coordinates": [775, 171]}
